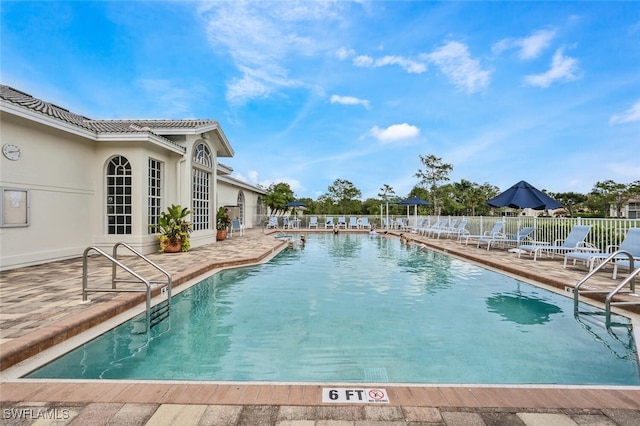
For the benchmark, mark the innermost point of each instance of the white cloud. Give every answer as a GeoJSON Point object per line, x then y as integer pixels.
{"type": "Point", "coordinates": [528, 47]}
{"type": "Point", "coordinates": [344, 53]}
{"type": "Point", "coordinates": [171, 96]}
{"type": "Point", "coordinates": [294, 184]}
{"type": "Point", "coordinates": [349, 100]}
{"type": "Point", "coordinates": [459, 67]}
{"type": "Point", "coordinates": [250, 178]}
{"type": "Point", "coordinates": [363, 61]}
{"type": "Point", "coordinates": [409, 65]}
{"type": "Point", "coordinates": [394, 132]}
{"type": "Point", "coordinates": [263, 38]}
{"type": "Point", "coordinates": [630, 115]}
{"type": "Point", "coordinates": [563, 68]}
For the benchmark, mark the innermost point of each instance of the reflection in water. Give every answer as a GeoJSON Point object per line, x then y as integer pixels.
{"type": "Point", "coordinates": [521, 309]}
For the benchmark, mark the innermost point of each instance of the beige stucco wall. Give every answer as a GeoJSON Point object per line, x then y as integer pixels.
{"type": "Point", "coordinates": [53, 167]}
{"type": "Point", "coordinates": [228, 196]}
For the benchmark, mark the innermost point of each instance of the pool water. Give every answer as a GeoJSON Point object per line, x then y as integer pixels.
{"type": "Point", "coordinates": [355, 308]}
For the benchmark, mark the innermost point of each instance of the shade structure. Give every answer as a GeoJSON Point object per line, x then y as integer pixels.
{"type": "Point", "coordinates": [414, 201]}
{"type": "Point", "coordinates": [295, 203]}
{"type": "Point", "coordinates": [523, 195]}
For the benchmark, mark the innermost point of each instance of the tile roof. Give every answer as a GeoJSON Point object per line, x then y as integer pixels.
{"type": "Point", "coordinates": [25, 100]}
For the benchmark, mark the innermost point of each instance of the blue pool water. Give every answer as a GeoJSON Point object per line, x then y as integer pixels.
{"type": "Point", "coordinates": [353, 308]}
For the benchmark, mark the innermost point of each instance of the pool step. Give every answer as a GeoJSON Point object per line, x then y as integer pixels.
{"type": "Point", "coordinates": [159, 313]}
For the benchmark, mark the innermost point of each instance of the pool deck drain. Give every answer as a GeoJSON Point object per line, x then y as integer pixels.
{"type": "Point", "coordinates": [40, 307]}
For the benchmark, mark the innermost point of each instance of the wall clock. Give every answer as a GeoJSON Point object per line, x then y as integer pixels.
{"type": "Point", "coordinates": [12, 152]}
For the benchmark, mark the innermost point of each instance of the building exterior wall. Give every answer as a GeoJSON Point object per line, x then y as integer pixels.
{"type": "Point", "coordinates": [64, 171]}
{"type": "Point", "coordinates": [57, 170]}
{"type": "Point", "coordinates": [228, 197]}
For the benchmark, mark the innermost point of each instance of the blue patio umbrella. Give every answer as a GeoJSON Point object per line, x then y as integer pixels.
{"type": "Point", "coordinates": [523, 195]}
{"type": "Point", "coordinates": [414, 201]}
{"type": "Point", "coordinates": [294, 204]}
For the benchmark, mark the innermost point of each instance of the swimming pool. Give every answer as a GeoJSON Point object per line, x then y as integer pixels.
{"type": "Point", "coordinates": [352, 308]}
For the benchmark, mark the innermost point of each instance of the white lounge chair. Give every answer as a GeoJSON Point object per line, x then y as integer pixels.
{"type": "Point", "coordinates": [364, 222]}
{"type": "Point", "coordinates": [273, 222]}
{"type": "Point", "coordinates": [422, 223]}
{"type": "Point", "coordinates": [436, 226]}
{"type": "Point", "coordinates": [313, 222]}
{"type": "Point", "coordinates": [353, 222]}
{"type": "Point", "coordinates": [630, 244]}
{"type": "Point", "coordinates": [510, 239]}
{"type": "Point", "coordinates": [237, 227]}
{"type": "Point", "coordinates": [459, 230]}
{"type": "Point", "coordinates": [497, 227]}
{"type": "Point", "coordinates": [342, 222]}
{"type": "Point", "coordinates": [328, 223]}
{"type": "Point", "coordinates": [450, 227]}
{"type": "Point", "coordinates": [575, 240]}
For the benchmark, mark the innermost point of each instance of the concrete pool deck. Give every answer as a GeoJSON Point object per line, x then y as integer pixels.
{"type": "Point", "coordinates": [41, 307]}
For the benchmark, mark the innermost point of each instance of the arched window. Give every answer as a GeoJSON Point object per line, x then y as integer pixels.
{"type": "Point", "coordinates": [240, 204]}
{"type": "Point", "coordinates": [259, 207]}
{"type": "Point", "coordinates": [201, 187]}
{"type": "Point", "coordinates": [119, 217]}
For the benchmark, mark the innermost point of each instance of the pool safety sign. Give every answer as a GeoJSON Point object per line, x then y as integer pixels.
{"type": "Point", "coordinates": [355, 396]}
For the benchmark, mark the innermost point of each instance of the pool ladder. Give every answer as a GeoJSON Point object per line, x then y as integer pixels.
{"type": "Point", "coordinates": [630, 281]}
{"type": "Point", "coordinates": [154, 315]}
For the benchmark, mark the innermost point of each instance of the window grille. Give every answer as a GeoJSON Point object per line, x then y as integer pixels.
{"type": "Point", "coordinates": [201, 187]}
{"type": "Point", "coordinates": [119, 201]}
{"type": "Point", "coordinates": [155, 194]}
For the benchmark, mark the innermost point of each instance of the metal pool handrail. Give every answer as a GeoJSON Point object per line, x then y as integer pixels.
{"type": "Point", "coordinates": [610, 294]}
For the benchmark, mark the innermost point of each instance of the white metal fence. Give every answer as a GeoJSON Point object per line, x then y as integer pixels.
{"type": "Point", "coordinates": [604, 231]}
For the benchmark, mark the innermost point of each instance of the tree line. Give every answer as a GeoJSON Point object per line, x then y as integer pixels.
{"type": "Point", "coordinates": [448, 198]}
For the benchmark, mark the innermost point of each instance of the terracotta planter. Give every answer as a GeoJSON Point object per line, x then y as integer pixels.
{"type": "Point", "coordinates": [172, 248]}
{"type": "Point", "coordinates": [221, 234]}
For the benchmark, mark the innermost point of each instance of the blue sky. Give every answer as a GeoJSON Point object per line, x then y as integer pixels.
{"type": "Point", "coordinates": [312, 91]}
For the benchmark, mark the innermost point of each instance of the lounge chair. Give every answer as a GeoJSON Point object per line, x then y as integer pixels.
{"type": "Point", "coordinates": [450, 227]}
{"type": "Point", "coordinates": [328, 223]}
{"type": "Point", "coordinates": [510, 239]}
{"type": "Point", "coordinates": [342, 222]}
{"type": "Point", "coordinates": [285, 223]}
{"type": "Point", "coordinates": [400, 223]}
{"type": "Point", "coordinates": [364, 222]}
{"type": "Point", "coordinates": [422, 223]}
{"type": "Point", "coordinates": [353, 222]}
{"type": "Point", "coordinates": [313, 222]}
{"type": "Point", "coordinates": [436, 226]}
{"type": "Point", "coordinates": [236, 226]}
{"type": "Point", "coordinates": [273, 222]}
{"type": "Point", "coordinates": [497, 227]}
{"type": "Point", "coordinates": [456, 231]}
{"type": "Point", "coordinates": [575, 240]}
{"type": "Point", "coordinates": [630, 244]}
{"type": "Point", "coordinates": [385, 223]}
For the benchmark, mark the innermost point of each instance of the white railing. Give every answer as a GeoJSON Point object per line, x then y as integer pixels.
{"type": "Point", "coordinates": [604, 231]}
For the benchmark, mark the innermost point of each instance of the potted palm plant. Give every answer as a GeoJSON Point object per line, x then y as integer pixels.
{"type": "Point", "coordinates": [174, 229]}
{"type": "Point", "coordinates": [222, 223]}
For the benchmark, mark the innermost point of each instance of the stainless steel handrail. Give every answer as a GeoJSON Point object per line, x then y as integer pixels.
{"type": "Point", "coordinates": [114, 264]}
{"type": "Point", "coordinates": [610, 294]}
{"type": "Point", "coordinates": [629, 280]}
{"type": "Point", "coordinates": [146, 259]}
